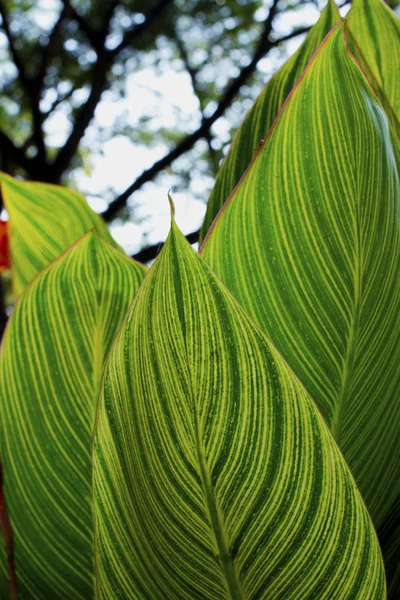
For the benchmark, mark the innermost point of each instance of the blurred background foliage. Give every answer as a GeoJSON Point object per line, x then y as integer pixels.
{"type": "Point", "coordinates": [126, 99]}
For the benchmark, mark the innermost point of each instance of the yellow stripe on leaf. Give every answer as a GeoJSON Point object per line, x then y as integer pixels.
{"type": "Point", "coordinates": [44, 221]}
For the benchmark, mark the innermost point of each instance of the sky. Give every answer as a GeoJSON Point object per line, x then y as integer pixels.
{"type": "Point", "coordinates": [169, 96]}
{"type": "Point", "coordinates": [122, 161]}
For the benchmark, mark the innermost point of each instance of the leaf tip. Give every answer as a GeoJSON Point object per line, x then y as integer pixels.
{"type": "Point", "coordinates": [171, 206]}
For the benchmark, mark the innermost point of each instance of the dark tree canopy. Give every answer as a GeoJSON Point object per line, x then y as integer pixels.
{"type": "Point", "coordinates": [65, 62]}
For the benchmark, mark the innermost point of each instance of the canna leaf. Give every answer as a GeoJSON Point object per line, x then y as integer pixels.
{"type": "Point", "coordinates": [309, 245]}
{"type": "Point", "coordinates": [261, 116]}
{"type": "Point", "coordinates": [44, 221]}
{"type": "Point", "coordinates": [375, 41]}
{"type": "Point", "coordinates": [389, 539]}
{"type": "Point", "coordinates": [214, 474]}
{"type": "Point", "coordinates": [51, 366]}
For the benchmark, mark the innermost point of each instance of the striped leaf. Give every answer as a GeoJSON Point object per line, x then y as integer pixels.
{"type": "Point", "coordinates": [214, 474]}
{"type": "Point", "coordinates": [262, 114]}
{"type": "Point", "coordinates": [50, 372]}
{"type": "Point", "coordinates": [389, 539]}
{"type": "Point", "coordinates": [309, 245]}
{"type": "Point", "coordinates": [44, 221]}
{"type": "Point", "coordinates": [375, 40]}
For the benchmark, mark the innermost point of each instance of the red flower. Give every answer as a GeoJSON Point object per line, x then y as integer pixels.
{"type": "Point", "coordinates": [5, 263]}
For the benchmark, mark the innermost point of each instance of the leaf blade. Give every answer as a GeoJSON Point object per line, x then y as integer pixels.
{"type": "Point", "coordinates": [389, 539]}
{"type": "Point", "coordinates": [199, 490]}
{"type": "Point", "coordinates": [262, 115]}
{"type": "Point", "coordinates": [45, 220]}
{"type": "Point", "coordinates": [50, 370]}
{"type": "Point", "coordinates": [375, 35]}
{"type": "Point", "coordinates": [318, 260]}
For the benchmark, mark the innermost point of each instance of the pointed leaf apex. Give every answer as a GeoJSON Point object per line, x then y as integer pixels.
{"type": "Point", "coordinates": [172, 207]}
{"type": "Point", "coordinates": [331, 5]}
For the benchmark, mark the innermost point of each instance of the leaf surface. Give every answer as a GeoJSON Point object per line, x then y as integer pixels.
{"type": "Point", "coordinates": [322, 273]}
{"type": "Point", "coordinates": [375, 41]}
{"type": "Point", "coordinates": [309, 245]}
{"type": "Point", "coordinates": [261, 116]}
{"type": "Point", "coordinates": [45, 220]}
{"type": "Point", "coordinates": [51, 366]}
{"type": "Point", "coordinates": [389, 539]}
{"type": "Point", "coordinates": [214, 475]}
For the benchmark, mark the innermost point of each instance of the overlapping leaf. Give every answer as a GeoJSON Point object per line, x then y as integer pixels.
{"type": "Point", "coordinates": [309, 245]}
{"type": "Point", "coordinates": [261, 116]}
{"type": "Point", "coordinates": [389, 539]}
{"type": "Point", "coordinates": [44, 221]}
{"type": "Point", "coordinates": [375, 41]}
{"type": "Point", "coordinates": [214, 474]}
{"type": "Point", "coordinates": [50, 371]}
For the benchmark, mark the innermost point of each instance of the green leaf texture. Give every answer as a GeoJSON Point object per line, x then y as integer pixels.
{"type": "Point", "coordinates": [51, 366]}
{"type": "Point", "coordinates": [375, 41]}
{"type": "Point", "coordinates": [44, 221]}
{"type": "Point", "coordinates": [261, 116]}
{"type": "Point", "coordinates": [309, 245]}
{"type": "Point", "coordinates": [389, 539]}
{"type": "Point", "coordinates": [215, 476]}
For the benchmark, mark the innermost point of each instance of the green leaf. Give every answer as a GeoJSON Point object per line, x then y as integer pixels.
{"type": "Point", "coordinates": [389, 539]}
{"type": "Point", "coordinates": [51, 366]}
{"type": "Point", "coordinates": [44, 221]}
{"type": "Point", "coordinates": [262, 114]}
{"type": "Point", "coordinates": [214, 474]}
{"type": "Point", "coordinates": [375, 40]}
{"type": "Point", "coordinates": [309, 245]}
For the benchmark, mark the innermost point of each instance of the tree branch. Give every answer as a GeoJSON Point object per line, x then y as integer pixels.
{"type": "Point", "coordinates": [150, 252]}
{"type": "Point", "coordinates": [95, 38]}
{"type": "Point", "coordinates": [59, 100]}
{"type": "Point", "coordinates": [132, 34]}
{"type": "Point", "coordinates": [263, 47]}
{"type": "Point", "coordinates": [292, 34]}
{"type": "Point", "coordinates": [85, 115]}
{"type": "Point", "coordinates": [105, 59]}
{"type": "Point", "coordinates": [14, 153]}
{"type": "Point", "coordinates": [50, 47]}
{"type": "Point", "coordinates": [193, 74]}
{"type": "Point", "coordinates": [30, 141]}
{"type": "Point", "coordinates": [32, 90]}
{"type": "Point", "coordinates": [13, 51]}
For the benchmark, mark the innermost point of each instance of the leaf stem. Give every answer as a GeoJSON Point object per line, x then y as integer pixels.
{"type": "Point", "coordinates": [224, 556]}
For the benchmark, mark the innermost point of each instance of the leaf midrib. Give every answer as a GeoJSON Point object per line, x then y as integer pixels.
{"type": "Point", "coordinates": [348, 365]}
{"type": "Point", "coordinates": [224, 557]}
